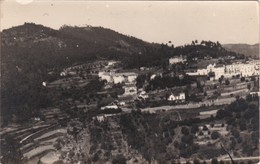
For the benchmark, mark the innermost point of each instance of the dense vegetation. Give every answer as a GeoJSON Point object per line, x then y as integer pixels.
{"type": "Point", "coordinates": [163, 138]}
{"type": "Point", "coordinates": [243, 116]}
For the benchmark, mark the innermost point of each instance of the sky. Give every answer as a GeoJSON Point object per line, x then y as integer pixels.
{"type": "Point", "coordinates": [152, 21]}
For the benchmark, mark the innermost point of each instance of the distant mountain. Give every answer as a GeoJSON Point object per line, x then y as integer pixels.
{"type": "Point", "coordinates": [246, 49]}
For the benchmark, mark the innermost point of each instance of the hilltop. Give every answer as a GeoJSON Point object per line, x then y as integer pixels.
{"type": "Point", "coordinates": [246, 49]}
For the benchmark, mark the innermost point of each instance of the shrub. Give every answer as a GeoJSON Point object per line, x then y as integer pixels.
{"type": "Point", "coordinates": [185, 130]}
{"type": "Point", "coordinates": [214, 161]}
{"type": "Point", "coordinates": [214, 135]}
{"type": "Point", "coordinates": [196, 161]}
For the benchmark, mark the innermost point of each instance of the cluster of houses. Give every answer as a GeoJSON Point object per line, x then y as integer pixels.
{"type": "Point", "coordinates": [250, 68]}
{"type": "Point", "coordinates": [116, 78]}
{"type": "Point", "coordinates": [126, 78]}
{"type": "Point", "coordinates": [204, 132]}
{"type": "Point", "coordinates": [180, 97]}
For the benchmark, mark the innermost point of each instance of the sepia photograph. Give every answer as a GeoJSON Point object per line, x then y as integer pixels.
{"type": "Point", "coordinates": [129, 82]}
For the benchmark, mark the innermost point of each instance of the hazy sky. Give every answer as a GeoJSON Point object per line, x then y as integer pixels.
{"type": "Point", "coordinates": [179, 22]}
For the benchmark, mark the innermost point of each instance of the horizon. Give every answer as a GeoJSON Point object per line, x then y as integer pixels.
{"type": "Point", "coordinates": [233, 22]}
{"type": "Point", "coordinates": [124, 34]}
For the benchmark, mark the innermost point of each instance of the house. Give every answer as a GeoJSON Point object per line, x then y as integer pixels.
{"type": "Point", "coordinates": [106, 76]}
{"type": "Point", "coordinates": [243, 69]}
{"type": "Point", "coordinates": [255, 93]}
{"type": "Point", "coordinates": [219, 71]}
{"type": "Point", "coordinates": [44, 83]}
{"type": "Point", "coordinates": [202, 71]}
{"type": "Point", "coordinates": [128, 77]}
{"type": "Point", "coordinates": [62, 74]}
{"type": "Point", "coordinates": [203, 136]}
{"type": "Point", "coordinates": [177, 97]}
{"type": "Point", "coordinates": [143, 95]}
{"type": "Point", "coordinates": [130, 89]}
{"type": "Point", "coordinates": [111, 63]}
{"type": "Point", "coordinates": [110, 106]}
{"type": "Point", "coordinates": [152, 76]}
{"type": "Point", "coordinates": [250, 68]}
{"type": "Point", "coordinates": [100, 118]}
{"type": "Point", "coordinates": [116, 78]}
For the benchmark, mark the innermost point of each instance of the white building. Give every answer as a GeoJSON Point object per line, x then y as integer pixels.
{"type": "Point", "coordinates": [219, 71]}
{"type": "Point", "coordinates": [117, 78]}
{"type": "Point", "coordinates": [130, 89]}
{"type": "Point", "coordinates": [110, 106]}
{"type": "Point", "coordinates": [106, 76]}
{"type": "Point", "coordinates": [202, 72]}
{"type": "Point", "coordinates": [112, 77]}
{"type": "Point", "coordinates": [251, 68]}
{"type": "Point", "coordinates": [143, 95]}
{"type": "Point", "coordinates": [178, 97]}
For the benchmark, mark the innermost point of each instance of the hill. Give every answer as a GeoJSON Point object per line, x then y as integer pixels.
{"type": "Point", "coordinates": [30, 51]}
{"type": "Point", "coordinates": [246, 49]}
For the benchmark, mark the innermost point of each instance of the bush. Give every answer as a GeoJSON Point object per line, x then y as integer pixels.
{"type": "Point", "coordinates": [185, 130]}
{"type": "Point", "coordinates": [215, 135]}
{"type": "Point", "coordinates": [214, 161]}
{"type": "Point", "coordinates": [221, 162]}
{"type": "Point", "coordinates": [196, 161]}
{"type": "Point", "coordinates": [188, 139]}
{"type": "Point", "coordinates": [235, 133]}
{"type": "Point", "coordinates": [227, 82]}
{"type": "Point", "coordinates": [119, 159]}
{"type": "Point", "coordinates": [194, 128]}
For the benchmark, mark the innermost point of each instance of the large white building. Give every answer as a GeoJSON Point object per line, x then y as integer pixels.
{"type": "Point", "coordinates": [116, 78]}
{"type": "Point", "coordinates": [250, 68]}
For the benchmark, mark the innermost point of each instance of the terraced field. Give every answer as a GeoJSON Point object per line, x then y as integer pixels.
{"type": "Point", "coordinates": [37, 140]}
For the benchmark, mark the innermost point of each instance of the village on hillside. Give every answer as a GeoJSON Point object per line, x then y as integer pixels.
{"type": "Point", "coordinates": [195, 90]}
{"type": "Point", "coordinates": [129, 82]}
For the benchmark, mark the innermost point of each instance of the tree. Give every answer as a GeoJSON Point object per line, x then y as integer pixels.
{"type": "Point", "coordinates": [242, 79]}
{"type": "Point", "coordinates": [249, 98]}
{"type": "Point", "coordinates": [188, 139]}
{"type": "Point", "coordinates": [205, 128]}
{"type": "Point", "coordinates": [196, 161]}
{"type": "Point", "coordinates": [214, 161]}
{"type": "Point", "coordinates": [10, 151]}
{"type": "Point", "coordinates": [194, 128]}
{"type": "Point", "coordinates": [119, 159]}
{"type": "Point", "coordinates": [235, 133]}
{"type": "Point", "coordinates": [227, 82]}
{"type": "Point", "coordinates": [221, 162]}
{"type": "Point", "coordinates": [253, 78]}
{"type": "Point", "coordinates": [248, 86]}
{"type": "Point", "coordinates": [220, 80]}
{"type": "Point", "coordinates": [140, 80]}
{"type": "Point", "coordinates": [214, 135]}
{"type": "Point", "coordinates": [242, 125]}
{"type": "Point", "coordinates": [185, 130]}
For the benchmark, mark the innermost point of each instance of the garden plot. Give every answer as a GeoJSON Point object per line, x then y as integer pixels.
{"type": "Point", "coordinates": [39, 150]}
{"type": "Point", "coordinates": [50, 133]}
